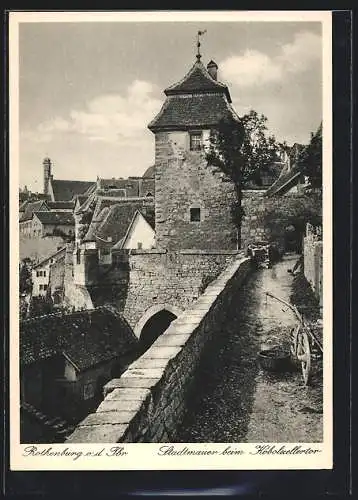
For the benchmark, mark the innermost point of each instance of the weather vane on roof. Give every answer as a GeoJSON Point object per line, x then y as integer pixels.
{"type": "Point", "coordinates": [200, 33]}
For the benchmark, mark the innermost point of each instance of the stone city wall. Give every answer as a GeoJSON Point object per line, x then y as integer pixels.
{"type": "Point", "coordinates": [170, 278]}
{"type": "Point", "coordinates": [184, 182]}
{"type": "Point", "coordinates": [313, 260]}
{"type": "Point", "coordinates": [148, 402]}
{"type": "Point", "coordinates": [266, 217]}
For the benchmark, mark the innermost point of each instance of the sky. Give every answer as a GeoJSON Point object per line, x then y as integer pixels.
{"type": "Point", "coordinates": [87, 91]}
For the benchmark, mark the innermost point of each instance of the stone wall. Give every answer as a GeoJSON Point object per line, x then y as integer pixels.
{"type": "Point", "coordinates": [170, 278]}
{"type": "Point", "coordinates": [266, 217]}
{"type": "Point", "coordinates": [313, 261]}
{"type": "Point", "coordinates": [148, 402]}
{"type": "Point", "coordinates": [184, 181]}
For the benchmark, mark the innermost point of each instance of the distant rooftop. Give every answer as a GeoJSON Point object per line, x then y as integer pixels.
{"type": "Point", "coordinates": [56, 217]}
{"type": "Point", "coordinates": [149, 173]}
{"type": "Point", "coordinates": [64, 190]}
{"type": "Point", "coordinates": [31, 207]}
{"type": "Point", "coordinates": [85, 337]}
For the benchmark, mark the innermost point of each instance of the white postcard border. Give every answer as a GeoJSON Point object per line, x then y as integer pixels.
{"type": "Point", "coordinates": [150, 456]}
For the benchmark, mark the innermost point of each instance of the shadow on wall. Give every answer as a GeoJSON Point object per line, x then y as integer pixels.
{"type": "Point", "coordinates": [112, 283]}
{"type": "Point", "coordinates": [153, 328]}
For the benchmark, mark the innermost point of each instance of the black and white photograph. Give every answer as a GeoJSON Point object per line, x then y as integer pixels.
{"type": "Point", "coordinates": [171, 239]}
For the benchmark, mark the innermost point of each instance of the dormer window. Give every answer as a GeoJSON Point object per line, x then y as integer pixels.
{"type": "Point", "coordinates": [196, 140]}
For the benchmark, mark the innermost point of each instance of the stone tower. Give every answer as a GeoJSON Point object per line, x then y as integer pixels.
{"type": "Point", "coordinates": [192, 201]}
{"type": "Point", "coordinates": [47, 174]}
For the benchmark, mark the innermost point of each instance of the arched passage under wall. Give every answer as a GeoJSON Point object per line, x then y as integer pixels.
{"type": "Point", "coordinates": [153, 323]}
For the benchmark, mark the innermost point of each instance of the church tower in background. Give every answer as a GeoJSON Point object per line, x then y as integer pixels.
{"type": "Point", "coordinates": [47, 174]}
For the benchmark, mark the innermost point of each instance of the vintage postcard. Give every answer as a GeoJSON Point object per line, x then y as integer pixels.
{"type": "Point", "coordinates": [171, 240]}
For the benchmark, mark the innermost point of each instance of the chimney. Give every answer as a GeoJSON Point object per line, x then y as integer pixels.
{"type": "Point", "coordinates": [47, 174]}
{"type": "Point", "coordinates": [212, 68]}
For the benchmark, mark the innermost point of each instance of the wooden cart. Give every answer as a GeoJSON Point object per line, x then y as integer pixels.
{"type": "Point", "coordinates": [305, 345]}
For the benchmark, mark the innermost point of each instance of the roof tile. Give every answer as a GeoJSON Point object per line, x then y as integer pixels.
{"type": "Point", "coordinates": [188, 111]}
{"type": "Point", "coordinates": [64, 190]}
{"type": "Point", "coordinates": [56, 217]}
{"type": "Point", "coordinates": [86, 337]}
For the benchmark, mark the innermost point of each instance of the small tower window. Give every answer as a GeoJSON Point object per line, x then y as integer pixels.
{"type": "Point", "coordinates": [196, 140]}
{"type": "Point", "coordinates": [195, 215]}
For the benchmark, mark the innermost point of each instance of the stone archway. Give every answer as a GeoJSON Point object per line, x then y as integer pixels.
{"type": "Point", "coordinates": [153, 323]}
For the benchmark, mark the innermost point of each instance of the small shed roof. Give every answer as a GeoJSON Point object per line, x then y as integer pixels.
{"type": "Point", "coordinates": [87, 338]}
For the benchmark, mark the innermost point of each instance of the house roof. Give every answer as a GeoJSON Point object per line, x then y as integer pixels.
{"type": "Point", "coordinates": [56, 218]}
{"type": "Point", "coordinates": [150, 172]}
{"type": "Point", "coordinates": [86, 338]}
{"type": "Point", "coordinates": [87, 204]}
{"type": "Point", "coordinates": [113, 183]}
{"type": "Point", "coordinates": [64, 190]}
{"type": "Point", "coordinates": [57, 255]}
{"type": "Point", "coordinates": [38, 249]}
{"type": "Point", "coordinates": [31, 207]}
{"type": "Point", "coordinates": [58, 205]}
{"type": "Point", "coordinates": [95, 223]}
{"type": "Point", "coordinates": [23, 205]}
{"type": "Point", "coordinates": [81, 198]}
{"type": "Point", "coordinates": [286, 179]}
{"type": "Point", "coordinates": [197, 79]}
{"type": "Point", "coordinates": [149, 217]}
{"type": "Point", "coordinates": [113, 186]}
{"type": "Point", "coordinates": [116, 223]}
{"type": "Point", "coordinates": [194, 110]}
{"type": "Point", "coordinates": [111, 220]}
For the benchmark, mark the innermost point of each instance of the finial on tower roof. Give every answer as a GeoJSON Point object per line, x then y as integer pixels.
{"type": "Point", "coordinates": [200, 33]}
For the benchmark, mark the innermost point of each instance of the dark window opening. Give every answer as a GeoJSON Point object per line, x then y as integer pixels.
{"type": "Point", "coordinates": [195, 215]}
{"type": "Point", "coordinates": [195, 141]}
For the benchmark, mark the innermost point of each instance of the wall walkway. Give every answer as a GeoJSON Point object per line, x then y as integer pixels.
{"type": "Point", "coordinates": [148, 402]}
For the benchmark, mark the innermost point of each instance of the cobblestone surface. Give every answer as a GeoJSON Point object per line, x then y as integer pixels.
{"type": "Point", "coordinates": [233, 399]}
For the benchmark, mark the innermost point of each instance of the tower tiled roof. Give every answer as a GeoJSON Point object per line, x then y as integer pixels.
{"type": "Point", "coordinates": [197, 80]}
{"type": "Point", "coordinates": [198, 100]}
{"type": "Point", "coordinates": [185, 112]}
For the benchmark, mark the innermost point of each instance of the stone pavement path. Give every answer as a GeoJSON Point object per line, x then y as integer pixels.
{"type": "Point", "coordinates": [233, 400]}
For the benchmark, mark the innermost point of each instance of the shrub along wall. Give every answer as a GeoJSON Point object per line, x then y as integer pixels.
{"type": "Point", "coordinates": [148, 402]}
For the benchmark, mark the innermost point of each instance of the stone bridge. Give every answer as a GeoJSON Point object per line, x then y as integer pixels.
{"type": "Point", "coordinates": [148, 402]}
